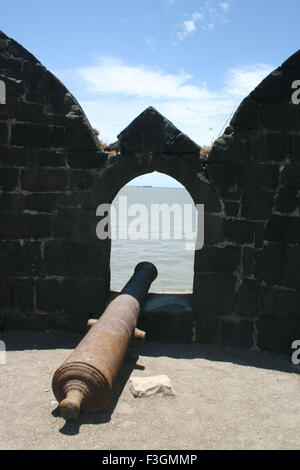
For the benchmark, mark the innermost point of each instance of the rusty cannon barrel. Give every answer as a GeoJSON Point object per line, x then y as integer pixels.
{"type": "Point", "coordinates": [85, 380]}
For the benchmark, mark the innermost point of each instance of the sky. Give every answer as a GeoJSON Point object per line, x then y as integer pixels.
{"type": "Point", "coordinates": [193, 60]}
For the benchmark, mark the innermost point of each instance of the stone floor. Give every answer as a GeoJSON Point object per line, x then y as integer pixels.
{"type": "Point", "coordinates": [226, 398]}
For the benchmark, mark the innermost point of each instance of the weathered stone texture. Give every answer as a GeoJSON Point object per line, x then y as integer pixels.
{"type": "Point", "coordinates": [44, 133]}
{"type": "Point", "coordinates": [148, 386]}
{"type": "Point", "coordinates": [254, 167]}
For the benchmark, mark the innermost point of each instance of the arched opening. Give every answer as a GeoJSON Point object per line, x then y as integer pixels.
{"type": "Point", "coordinates": [176, 315]}
{"type": "Point", "coordinates": [154, 218]}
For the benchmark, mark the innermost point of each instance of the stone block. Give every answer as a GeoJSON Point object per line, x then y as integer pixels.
{"type": "Point", "coordinates": [214, 294]}
{"type": "Point", "coordinates": [13, 156]}
{"type": "Point", "coordinates": [277, 334]}
{"type": "Point", "coordinates": [276, 302]}
{"type": "Point", "coordinates": [32, 74]}
{"type": "Point", "coordinates": [86, 160]}
{"type": "Point", "coordinates": [167, 317]}
{"type": "Point", "coordinates": [278, 264]}
{"type": "Point", "coordinates": [25, 226]}
{"type": "Point", "coordinates": [75, 224]}
{"type": "Point", "coordinates": [223, 176]}
{"type": "Point", "coordinates": [76, 259]}
{"type": "Point", "coordinates": [270, 147]}
{"type": "Point", "coordinates": [18, 259]}
{"type": "Point", "coordinates": [259, 235]}
{"type": "Point", "coordinates": [295, 149]}
{"type": "Point", "coordinates": [231, 148]}
{"type": "Point", "coordinates": [248, 260]}
{"type": "Point", "coordinates": [16, 50]}
{"type": "Point", "coordinates": [30, 135]}
{"type": "Point", "coordinates": [81, 180]}
{"type": "Point", "coordinates": [213, 259]}
{"type": "Point", "coordinates": [232, 208]}
{"type": "Point", "coordinates": [50, 158]}
{"type": "Point", "coordinates": [286, 201]}
{"type": "Point", "coordinates": [214, 229]}
{"type": "Point", "coordinates": [247, 114]}
{"type": "Point", "coordinates": [293, 116]}
{"type": "Point", "coordinates": [11, 202]}
{"type": "Point", "coordinates": [247, 298]}
{"type": "Point", "coordinates": [3, 133]}
{"type": "Point", "coordinates": [240, 231]}
{"type": "Point", "coordinates": [5, 293]}
{"type": "Point", "coordinates": [237, 334]}
{"type": "Point", "coordinates": [208, 330]}
{"type": "Point", "coordinates": [150, 131]}
{"type": "Point", "coordinates": [41, 202]}
{"type": "Point", "coordinates": [44, 179]}
{"type": "Point", "coordinates": [35, 96]}
{"type": "Point", "coordinates": [14, 91]}
{"type": "Point", "coordinates": [58, 136]}
{"type": "Point", "coordinates": [79, 135]}
{"type": "Point", "coordinates": [28, 112]}
{"type": "Point", "coordinates": [290, 176]}
{"type": "Point", "coordinates": [207, 196]}
{"type": "Point", "coordinates": [141, 387]}
{"type": "Point", "coordinates": [273, 89]}
{"type": "Point", "coordinates": [83, 296]}
{"type": "Point", "coordinates": [20, 320]}
{"type": "Point", "coordinates": [274, 116]}
{"type": "Point", "coordinates": [256, 177]}
{"type": "Point", "coordinates": [48, 295]}
{"type": "Point", "coordinates": [283, 229]}
{"type": "Point", "coordinates": [69, 322]}
{"type": "Point", "coordinates": [70, 199]}
{"type": "Point", "coordinates": [9, 178]}
{"type": "Point", "coordinates": [7, 64]}
{"type": "Point", "coordinates": [22, 294]}
{"type": "Point", "coordinates": [182, 144]}
{"type": "Point", "coordinates": [292, 62]}
{"type": "Point", "coordinates": [257, 205]}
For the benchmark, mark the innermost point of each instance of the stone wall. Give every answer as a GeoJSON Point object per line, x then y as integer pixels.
{"type": "Point", "coordinates": [55, 272]}
{"type": "Point", "coordinates": [255, 169]}
{"type": "Point", "coordinates": [52, 272]}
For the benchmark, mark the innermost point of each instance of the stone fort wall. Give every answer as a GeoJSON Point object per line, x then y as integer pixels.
{"type": "Point", "coordinates": [55, 272]}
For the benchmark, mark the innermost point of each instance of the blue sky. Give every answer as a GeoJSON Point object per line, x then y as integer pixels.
{"type": "Point", "coordinates": [193, 60]}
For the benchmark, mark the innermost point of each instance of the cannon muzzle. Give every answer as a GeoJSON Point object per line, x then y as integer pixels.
{"type": "Point", "coordinates": [85, 380]}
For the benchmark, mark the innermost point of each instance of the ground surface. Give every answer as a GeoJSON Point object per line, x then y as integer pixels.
{"type": "Point", "coordinates": [226, 398]}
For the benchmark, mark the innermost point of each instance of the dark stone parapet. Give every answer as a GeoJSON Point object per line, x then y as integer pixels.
{"type": "Point", "coordinates": [55, 272]}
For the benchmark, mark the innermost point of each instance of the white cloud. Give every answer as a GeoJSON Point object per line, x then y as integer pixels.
{"type": "Point", "coordinates": [207, 17]}
{"type": "Point", "coordinates": [187, 28]}
{"type": "Point", "coordinates": [240, 81]}
{"type": "Point", "coordinates": [112, 76]}
{"type": "Point", "coordinates": [224, 6]}
{"type": "Point", "coordinates": [151, 43]}
{"type": "Point", "coordinates": [114, 93]}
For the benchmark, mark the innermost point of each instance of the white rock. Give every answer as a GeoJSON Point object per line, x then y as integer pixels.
{"type": "Point", "coordinates": [147, 386]}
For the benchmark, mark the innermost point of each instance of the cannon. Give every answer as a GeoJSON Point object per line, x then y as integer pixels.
{"type": "Point", "coordinates": [85, 379]}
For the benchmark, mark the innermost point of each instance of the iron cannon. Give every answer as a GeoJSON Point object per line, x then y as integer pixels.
{"type": "Point", "coordinates": [85, 379]}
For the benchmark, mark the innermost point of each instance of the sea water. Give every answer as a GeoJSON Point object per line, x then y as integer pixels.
{"type": "Point", "coordinates": [173, 257]}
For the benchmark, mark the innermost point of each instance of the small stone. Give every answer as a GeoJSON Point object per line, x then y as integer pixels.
{"type": "Point", "coordinates": [147, 386]}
